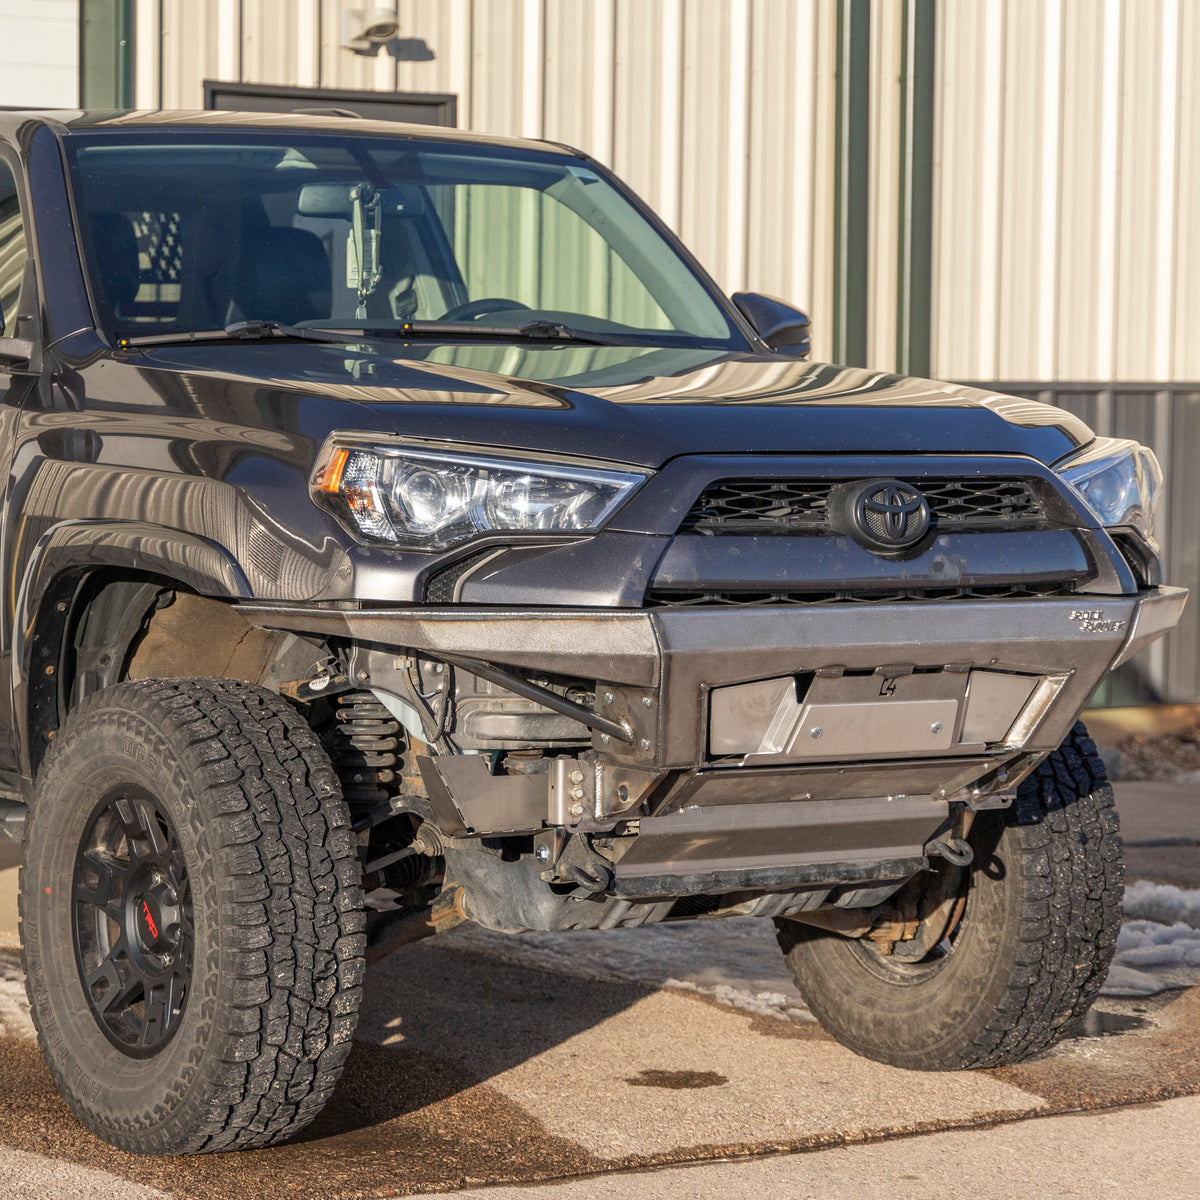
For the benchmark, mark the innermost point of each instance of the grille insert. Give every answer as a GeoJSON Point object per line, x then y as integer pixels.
{"type": "Point", "coordinates": [441, 587]}
{"type": "Point", "coordinates": [801, 505]}
{"type": "Point", "coordinates": [662, 598]}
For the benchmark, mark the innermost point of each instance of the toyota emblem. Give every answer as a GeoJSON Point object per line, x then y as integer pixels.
{"type": "Point", "coordinates": [886, 516]}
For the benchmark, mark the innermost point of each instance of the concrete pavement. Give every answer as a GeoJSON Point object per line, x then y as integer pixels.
{"type": "Point", "coordinates": [1144, 1151]}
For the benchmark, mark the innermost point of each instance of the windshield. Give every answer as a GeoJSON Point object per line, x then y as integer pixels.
{"type": "Point", "coordinates": [188, 232]}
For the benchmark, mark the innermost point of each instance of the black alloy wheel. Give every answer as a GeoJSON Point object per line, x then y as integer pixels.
{"type": "Point", "coordinates": [132, 922]}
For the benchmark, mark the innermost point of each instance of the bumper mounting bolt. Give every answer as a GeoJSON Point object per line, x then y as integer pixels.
{"type": "Point", "coordinates": [542, 853]}
{"type": "Point", "coordinates": [645, 744]}
{"type": "Point", "coordinates": [936, 727]}
{"type": "Point", "coordinates": [817, 731]}
{"type": "Point", "coordinates": [646, 702]}
{"type": "Point", "coordinates": [577, 810]}
{"type": "Point", "coordinates": [605, 738]}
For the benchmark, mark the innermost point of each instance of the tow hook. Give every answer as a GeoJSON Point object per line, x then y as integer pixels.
{"type": "Point", "coordinates": [956, 851]}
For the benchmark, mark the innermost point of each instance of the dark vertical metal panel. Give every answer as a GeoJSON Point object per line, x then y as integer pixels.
{"type": "Point", "coordinates": [1182, 540]}
{"type": "Point", "coordinates": [915, 274]}
{"type": "Point", "coordinates": [105, 53]}
{"type": "Point", "coordinates": [1134, 416]}
{"type": "Point", "coordinates": [851, 175]}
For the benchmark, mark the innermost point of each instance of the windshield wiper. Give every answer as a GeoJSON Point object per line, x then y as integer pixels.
{"type": "Point", "coordinates": [253, 331]}
{"type": "Point", "coordinates": [534, 331]}
{"type": "Point", "coordinates": [248, 331]}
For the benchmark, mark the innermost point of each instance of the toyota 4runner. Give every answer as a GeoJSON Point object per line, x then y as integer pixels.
{"type": "Point", "coordinates": [402, 529]}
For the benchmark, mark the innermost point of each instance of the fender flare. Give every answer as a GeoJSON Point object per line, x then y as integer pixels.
{"type": "Point", "coordinates": [74, 546]}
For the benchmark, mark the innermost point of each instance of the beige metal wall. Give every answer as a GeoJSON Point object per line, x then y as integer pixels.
{"type": "Point", "coordinates": [39, 53]}
{"type": "Point", "coordinates": [1067, 194]}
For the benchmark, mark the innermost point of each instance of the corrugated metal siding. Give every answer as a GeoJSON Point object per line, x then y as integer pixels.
{"type": "Point", "coordinates": [1068, 153]}
{"type": "Point", "coordinates": [884, 223]}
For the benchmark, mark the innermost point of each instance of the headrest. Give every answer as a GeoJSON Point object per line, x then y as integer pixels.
{"type": "Point", "coordinates": [288, 277]}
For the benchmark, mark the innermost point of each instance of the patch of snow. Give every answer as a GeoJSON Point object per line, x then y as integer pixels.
{"type": "Point", "coordinates": [1125, 981]}
{"type": "Point", "coordinates": [736, 962]}
{"type": "Point", "coordinates": [1159, 944]}
{"type": "Point", "coordinates": [764, 1004]}
{"type": "Point", "coordinates": [1163, 903]}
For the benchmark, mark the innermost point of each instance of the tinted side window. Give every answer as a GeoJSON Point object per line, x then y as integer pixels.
{"type": "Point", "coordinates": [12, 247]}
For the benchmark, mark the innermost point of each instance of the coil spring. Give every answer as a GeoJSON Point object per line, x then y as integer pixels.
{"type": "Point", "coordinates": [368, 749]}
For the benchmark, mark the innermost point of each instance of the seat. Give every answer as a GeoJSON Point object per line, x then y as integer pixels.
{"type": "Point", "coordinates": [117, 264]}
{"type": "Point", "coordinates": [285, 278]}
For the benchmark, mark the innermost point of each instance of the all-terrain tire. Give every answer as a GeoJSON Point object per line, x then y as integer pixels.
{"type": "Point", "coordinates": [1043, 909]}
{"type": "Point", "coordinates": [191, 916]}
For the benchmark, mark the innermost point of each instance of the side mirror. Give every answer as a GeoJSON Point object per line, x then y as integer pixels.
{"type": "Point", "coordinates": [16, 352]}
{"type": "Point", "coordinates": [781, 326]}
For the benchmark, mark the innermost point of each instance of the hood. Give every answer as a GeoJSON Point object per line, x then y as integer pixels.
{"type": "Point", "coordinates": [637, 405]}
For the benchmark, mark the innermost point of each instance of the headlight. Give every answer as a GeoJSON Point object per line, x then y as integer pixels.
{"type": "Point", "coordinates": [430, 500]}
{"type": "Point", "coordinates": [1119, 481]}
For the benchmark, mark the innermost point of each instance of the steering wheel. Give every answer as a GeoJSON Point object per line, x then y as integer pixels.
{"type": "Point", "coordinates": [473, 309]}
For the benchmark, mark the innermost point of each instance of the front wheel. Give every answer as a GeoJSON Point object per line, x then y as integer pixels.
{"type": "Point", "coordinates": [1033, 928]}
{"type": "Point", "coordinates": [192, 924]}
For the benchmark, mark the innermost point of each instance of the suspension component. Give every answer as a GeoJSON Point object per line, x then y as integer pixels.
{"type": "Point", "coordinates": [367, 750]}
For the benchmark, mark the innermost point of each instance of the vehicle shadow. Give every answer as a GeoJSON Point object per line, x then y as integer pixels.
{"type": "Point", "coordinates": [439, 1019]}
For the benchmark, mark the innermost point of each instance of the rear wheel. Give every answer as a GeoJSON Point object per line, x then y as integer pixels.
{"type": "Point", "coordinates": [1020, 944]}
{"type": "Point", "coordinates": [192, 922]}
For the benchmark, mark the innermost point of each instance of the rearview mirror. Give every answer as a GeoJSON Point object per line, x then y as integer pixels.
{"type": "Point", "coordinates": [782, 326]}
{"type": "Point", "coordinates": [334, 200]}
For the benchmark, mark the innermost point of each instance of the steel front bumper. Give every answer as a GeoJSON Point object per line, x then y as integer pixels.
{"type": "Point", "coordinates": [674, 658]}
{"type": "Point", "coordinates": [882, 717]}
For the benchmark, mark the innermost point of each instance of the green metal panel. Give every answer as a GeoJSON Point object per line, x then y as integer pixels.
{"type": "Point", "coordinates": [105, 53]}
{"type": "Point", "coordinates": [851, 173]}
{"type": "Point", "coordinates": [914, 277]}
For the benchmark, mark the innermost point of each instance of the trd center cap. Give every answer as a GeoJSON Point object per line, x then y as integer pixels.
{"type": "Point", "coordinates": [149, 921]}
{"type": "Point", "coordinates": [886, 516]}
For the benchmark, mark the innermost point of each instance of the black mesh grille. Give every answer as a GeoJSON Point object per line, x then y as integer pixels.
{"type": "Point", "coordinates": [736, 504]}
{"type": "Point", "coordinates": [800, 505]}
{"type": "Point", "coordinates": [662, 598]}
